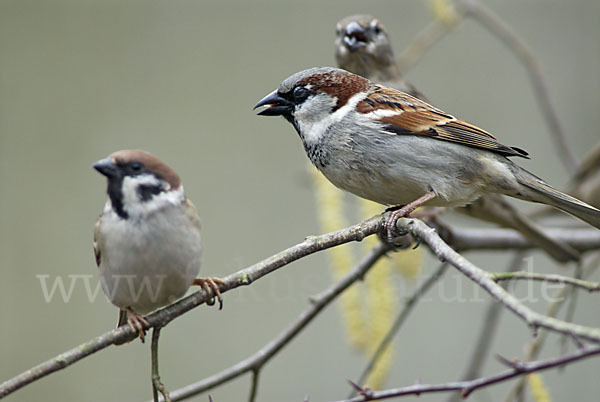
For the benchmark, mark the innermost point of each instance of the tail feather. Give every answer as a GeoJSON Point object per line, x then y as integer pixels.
{"type": "Point", "coordinates": [539, 191]}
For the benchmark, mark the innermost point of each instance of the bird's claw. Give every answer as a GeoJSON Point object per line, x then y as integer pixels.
{"type": "Point", "coordinates": [138, 324]}
{"type": "Point", "coordinates": [211, 286]}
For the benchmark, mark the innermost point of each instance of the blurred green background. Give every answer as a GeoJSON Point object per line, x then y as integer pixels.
{"type": "Point", "coordinates": [80, 79]}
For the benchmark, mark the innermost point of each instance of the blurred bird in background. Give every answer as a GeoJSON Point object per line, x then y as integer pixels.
{"type": "Point", "coordinates": [363, 47]}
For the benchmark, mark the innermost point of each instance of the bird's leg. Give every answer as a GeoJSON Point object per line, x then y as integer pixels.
{"type": "Point", "coordinates": [390, 223]}
{"type": "Point", "coordinates": [211, 286]}
{"type": "Point", "coordinates": [137, 323]}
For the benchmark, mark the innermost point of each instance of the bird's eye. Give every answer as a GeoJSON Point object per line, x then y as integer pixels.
{"type": "Point", "coordinates": [300, 93]}
{"type": "Point", "coordinates": [136, 167]}
{"type": "Point", "coordinates": [377, 29]}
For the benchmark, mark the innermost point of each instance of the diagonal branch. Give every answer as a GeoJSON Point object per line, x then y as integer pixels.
{"type": "Point", "coordinates": [484, 280]}
{"type": "Point", "coordinates": [255, 362]}
{"type": "Point", "coordinates": [425, 40]}
{"type": "Point", "coordinates": [466, 387]}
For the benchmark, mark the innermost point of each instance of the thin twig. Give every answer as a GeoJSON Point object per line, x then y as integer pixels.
{"type": "Point", "coordinates": [486, 335]}
{"type": "Point", "coordinates": [506, 34]}
{"type": "Point", "coordinates": [425, 40]}
{"type": "Point", "coordinates": [482, 278]}
{"type": "Point", "coordinates": [254, 386]}
{"type": "Point", "coordinates": [554, 278]}
{"type": "Point", "coordinates": [157, 385]}
{"type": "Point", "coordinates": [261, 357]}
{"type": "Point", "coordinates": [467, 387]}
{"type": "Point", "coordinates": [399, 321]}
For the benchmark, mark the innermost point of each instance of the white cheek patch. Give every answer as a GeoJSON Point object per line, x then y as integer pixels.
{"type": "Point", "coordinates": [136, 207]}
{"type": "Point", "coordinates": [314, 117]}
{"type": "Point", "coordinates": [131, 184]}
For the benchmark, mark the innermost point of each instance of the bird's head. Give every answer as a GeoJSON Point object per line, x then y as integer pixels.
{"type": "Point", "coordinates": [139, 183]}
{"type": "Point", "coordinates": [362, 45]}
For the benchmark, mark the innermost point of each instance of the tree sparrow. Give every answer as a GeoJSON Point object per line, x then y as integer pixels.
{"type": "Point", "coordinates": [363, 47]}
{"type": "Point", "coordinates": [147, 239]}
{"type": "Point", "coordinates": [394, 149]}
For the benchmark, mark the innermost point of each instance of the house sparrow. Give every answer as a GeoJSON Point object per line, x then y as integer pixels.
{"type": "Point", "coordinates": [362, 46]}
{"type": "Point", "coordinates": [147, 239]}
{"type": "Point", "coordinates": [392, 148]}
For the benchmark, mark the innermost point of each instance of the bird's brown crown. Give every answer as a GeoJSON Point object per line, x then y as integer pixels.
{"type": "Point", "coordinates": [150, 162]}
{"type": "Point", "coordinates": [333, 81]}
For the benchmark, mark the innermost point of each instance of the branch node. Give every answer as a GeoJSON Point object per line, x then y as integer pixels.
{"type": "Point", "coordinates": [243, 279]}
{"type": "Point", "coordinates": [364, 391]}
{"type": "Point", "coordinates": [310, 239]}
{"type": "Point", "coordinates": [515, 364]}
{"type": "Point", "coordinates": [580, 345]}
{"type": "Point", "coordinates": [534, 328]}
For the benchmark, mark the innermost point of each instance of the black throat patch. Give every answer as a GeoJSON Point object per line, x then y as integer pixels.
{"type": "Point", "coordinates": [115, 193]}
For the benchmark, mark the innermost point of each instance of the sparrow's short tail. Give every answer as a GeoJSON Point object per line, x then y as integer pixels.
{"type": "Point", "coordinates": [535, 189]}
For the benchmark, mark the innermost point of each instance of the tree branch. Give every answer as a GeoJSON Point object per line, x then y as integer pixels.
{"type": "Point", "coordinates": [255, 362]}
{"type": "Point", "coordinates": [483, 279]}
{"type": "Point", "coordinates": [425, 40]}
{"type": "Point", "coordinates": [254, 387]}
{"type": "Point", "coordinates": [510, 276]}
{"type": "Point", "coordinates": [157, 385]}
{"type": "Point", "coordinates": [466, 387]}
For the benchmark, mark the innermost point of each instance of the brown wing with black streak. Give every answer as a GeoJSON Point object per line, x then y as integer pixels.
{"type": "Point", "coordinates": [415, 117]}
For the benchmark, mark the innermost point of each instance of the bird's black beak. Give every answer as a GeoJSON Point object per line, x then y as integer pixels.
{"type": "Point", "coordinates": [355, 37]}
{"type": "Point", "coordinates": [106, 167]}
{"type": "Point", "coordinates": [275, 105]}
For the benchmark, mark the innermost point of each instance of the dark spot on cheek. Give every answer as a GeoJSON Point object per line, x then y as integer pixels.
{"type": "Point", "coordinates": [147, 191]}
